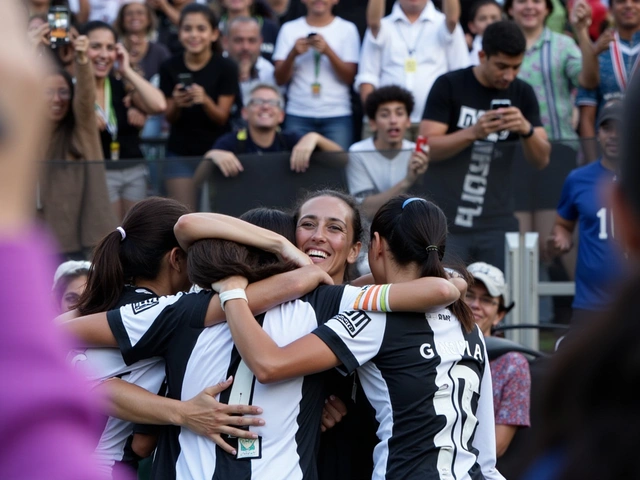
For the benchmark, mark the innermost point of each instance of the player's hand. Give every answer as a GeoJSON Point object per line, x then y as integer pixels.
{"type": "Point", "coordinates": [230, 283]}
{"type": "Point", "coordinates": [227, 162]}
{"type": "Point", "coordinates": [289, 252]}
{"type": "Point", "coordinates": [302, 151]}
{"type": "Point", "coordinates": [206, 416]}
{"type": "Point", "coordinates": [333, 412]}
{"type": "Point", "coordinates": [514, 121]}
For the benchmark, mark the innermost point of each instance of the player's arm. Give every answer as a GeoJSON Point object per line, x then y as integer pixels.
{"type": "Point", "coordinates": [202, 414]}
{"type": "Point", "coordinates": [310, 354]}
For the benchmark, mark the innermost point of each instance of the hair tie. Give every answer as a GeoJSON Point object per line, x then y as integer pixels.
{"type": "Point", "coordinates": [412, 199]}
{"type": "Point", "coordinates": [122, 233]}
{"type": "Point", "coordinates": [432, 248]}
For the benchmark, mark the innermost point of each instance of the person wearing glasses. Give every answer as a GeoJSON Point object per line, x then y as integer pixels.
{"type": "Point", "coordinates": [509, 372]}
{"type": "Point", "coordinates": [264, 112]}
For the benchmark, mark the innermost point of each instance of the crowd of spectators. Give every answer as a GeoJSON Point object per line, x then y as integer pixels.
{"type": "Point", "coordinates": [214, 80]}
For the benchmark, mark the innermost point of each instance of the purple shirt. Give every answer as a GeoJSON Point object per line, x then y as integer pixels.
{"type": "Point", "coordinates": [47, 426]}
{"type": "Point", "coordinates": [511, 380]}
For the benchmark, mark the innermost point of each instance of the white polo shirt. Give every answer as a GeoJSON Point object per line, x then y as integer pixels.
{"type": "Point", "coordinates": [383, 60]}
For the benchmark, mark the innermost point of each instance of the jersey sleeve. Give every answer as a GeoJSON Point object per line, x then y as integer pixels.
{"type": "Point", "coordinates": [284, 43]}
{"type": "Point", "coordinates": [567, 207]}
{"type": "Point", "coordinates": [587, 98]}
{"type": "Point", "coordinates": [144, 329]}
{"type": "Point", "coordinates": [485, 438]}
{"type": "Point", "coordinates": [354, 336]}
{"type": "Point", "coordinates": [370, 64]}
{"type": "Point", "coordinates": [438, 106]}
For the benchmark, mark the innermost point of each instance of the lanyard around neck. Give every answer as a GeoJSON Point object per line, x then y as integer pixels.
{"type": "Point", "coordinates": [108, 114]}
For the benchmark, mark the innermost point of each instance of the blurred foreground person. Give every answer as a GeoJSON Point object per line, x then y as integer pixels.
{"type": "Point", "coordinates": [47, 428]}
{"type": "Point", "coordinates": [584, 433]}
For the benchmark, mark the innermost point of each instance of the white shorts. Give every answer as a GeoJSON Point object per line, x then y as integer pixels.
{"type": "Point", "coordinates": [128, 183]}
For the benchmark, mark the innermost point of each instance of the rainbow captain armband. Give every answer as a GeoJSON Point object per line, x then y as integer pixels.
{"type": "Point", "coordinates": [373, 298]}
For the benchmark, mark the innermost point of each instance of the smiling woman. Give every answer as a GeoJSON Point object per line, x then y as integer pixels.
{"type": "Point", "coordinates": [73, 199]}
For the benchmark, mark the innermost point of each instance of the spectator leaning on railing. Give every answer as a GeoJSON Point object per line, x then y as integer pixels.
{"type": "Point", "coordinates": [72, 195]}
{"type": "Point", "coordinates": [264, 114]}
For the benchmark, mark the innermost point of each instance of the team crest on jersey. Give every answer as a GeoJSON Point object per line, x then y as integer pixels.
{"type": "Point", "coordinates": [249, 448]}
{"type": "Point", "coordinates": [144, 305]}
{"type": "Point", "coordinates": [353, 321]}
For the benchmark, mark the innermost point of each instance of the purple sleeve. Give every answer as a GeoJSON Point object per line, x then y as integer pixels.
{"type": "Point", "coordinates": [47, 426]}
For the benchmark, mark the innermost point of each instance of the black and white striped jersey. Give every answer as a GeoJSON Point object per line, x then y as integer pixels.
{"type": "Point", "coordinates": [198, 357]}
{"type": "Point", "coordinates": [99, 364]}
{"type": "Point", "coordinates": [430, 385]}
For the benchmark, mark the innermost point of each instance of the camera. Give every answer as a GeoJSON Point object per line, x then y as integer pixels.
{"type": "Point", "coordinates": [58, 18]}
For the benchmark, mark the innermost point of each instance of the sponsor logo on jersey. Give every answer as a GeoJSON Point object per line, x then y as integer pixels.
{"type": "Point", "coordinates": [353, 321]}
{"type": "Point", "coordinates": [249, 448]}
{"type": "Point", "coordinates": [144, 305]}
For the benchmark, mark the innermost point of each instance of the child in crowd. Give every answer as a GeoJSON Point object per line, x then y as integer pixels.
{"type": "Point", "coordinates": [482, 14]}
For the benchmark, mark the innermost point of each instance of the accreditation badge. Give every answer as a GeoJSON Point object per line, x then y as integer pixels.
{"type": "Point", "coordinates": [315, 89]}
{"type": "Point", "coordinates": [249, 448]}
{"type": "Point", "coordinates": [410, 65]}
{"type": "Point", "coordinates": [115, 150]}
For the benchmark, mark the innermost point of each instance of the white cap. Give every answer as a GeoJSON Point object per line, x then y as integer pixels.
{"type": "Point", "coordinates": [491, 276]}
{"type": "Point", "coordinates": [70, 267]}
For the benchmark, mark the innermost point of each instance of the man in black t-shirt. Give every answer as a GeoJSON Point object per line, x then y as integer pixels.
{"type": "Point", "coordinates": [472, 144]}
{"type": "Point", "coordinates": [264, 113]}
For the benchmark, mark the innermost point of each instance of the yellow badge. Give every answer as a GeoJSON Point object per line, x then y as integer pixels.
{"type": "Point", "coordinates": [410, 65]}
{"type": "Point", "coordinates": [315, 89]}
{"type": "Point", "coordinates": [115, 150]}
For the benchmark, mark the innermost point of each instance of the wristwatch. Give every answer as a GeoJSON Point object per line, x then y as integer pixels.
{"type": "Point", "coordinates": [529, 133]}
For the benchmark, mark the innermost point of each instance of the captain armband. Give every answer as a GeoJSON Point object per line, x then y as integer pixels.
{"type": "Point", "coordinates": [373, 298]}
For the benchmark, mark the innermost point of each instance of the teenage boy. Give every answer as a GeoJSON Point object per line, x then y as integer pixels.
{"type": "Point", "coordinates": [385, 165]}
{"type": "Point", "coordinates": [470, 176]}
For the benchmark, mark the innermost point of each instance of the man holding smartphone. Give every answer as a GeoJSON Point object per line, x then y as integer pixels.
{"type": "Point", "coordinates": [474, 118]}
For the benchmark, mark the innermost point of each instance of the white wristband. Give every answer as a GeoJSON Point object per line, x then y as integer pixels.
{"type": "Point", "coordinates": [232, 295]}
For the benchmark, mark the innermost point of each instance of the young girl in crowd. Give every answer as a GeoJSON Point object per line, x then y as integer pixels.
{"type": "Point", "coordinates": [72, 196]}
{"type": "Point", "coordinates": [317, 57]}
{"type": "Point", "coordinates": [201, 86]}
{"type": "Point", "coordinates": [122, 95]}
{"type": "Point", "coordinates": [428, 379]}
{"type": "Point", "coordinates": [481, 14]}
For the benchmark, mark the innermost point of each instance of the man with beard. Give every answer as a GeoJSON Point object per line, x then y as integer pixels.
{"type": "Point", "coordinates": [242, 43]}
{"type": "Point", "coordinates": [583, 203]}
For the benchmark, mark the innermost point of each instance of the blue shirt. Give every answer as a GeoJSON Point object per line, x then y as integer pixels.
{"type": "Point", "coordinates": [238, 143]}
{"type": "Point", "coordinates": [609, 88]}
{"type": "Point", "coordinates": [600, 262]}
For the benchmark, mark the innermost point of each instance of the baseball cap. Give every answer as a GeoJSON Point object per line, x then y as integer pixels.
{"type": "Point", "coordinates": [70, 267]}
{"type": "Point", "coordinates": [612, 110]}
{"type": "Point", "coordinates": [491, 276]}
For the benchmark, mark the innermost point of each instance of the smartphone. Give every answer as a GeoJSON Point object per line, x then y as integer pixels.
{"type": "Point", "coordinates": [311, 35]}
{"type": "Point", "coordinates": [186, 79]}
{"type": "Point", "coordinates": [500, 103]}
{"type": "Point", "coordinates": [59, 23]}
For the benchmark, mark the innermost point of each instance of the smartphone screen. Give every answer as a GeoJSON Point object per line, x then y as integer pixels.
{"type": "Point", "coordinates": [500, 103]}
{"type": "Point", "coordinates": [185, 79]}
{"type": "Point", "coordinates": [59, 24]}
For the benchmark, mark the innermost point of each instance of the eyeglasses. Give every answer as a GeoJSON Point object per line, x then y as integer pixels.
{"type": "Point", "coordinates": [485, 300]}
{"type": "Point", "coordinates": [272, 102]}
{"type": "Point", "coordinates": [63, 94]}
